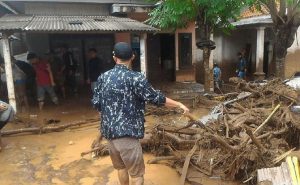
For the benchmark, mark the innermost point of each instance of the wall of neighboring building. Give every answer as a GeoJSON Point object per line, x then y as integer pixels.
{"type": "Point", "coordinates": [227, 47]}
{"type": "Point", "coordinates": [123, 37]}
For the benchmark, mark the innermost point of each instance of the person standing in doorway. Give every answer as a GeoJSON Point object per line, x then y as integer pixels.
{"type": "Point", "coordinates": [120, 95]}
{"type": "Point", "coordinates": [57, 68]}
{"type": "Point", "coordinates": [70, 69]}
{"type": "Point", "coordinates": [217, 75]}
{"type": "Point", "coordinates": [44, 79]}
{"type": "Point", "coordinates": [242, 66]}
{"type": "Point", "coordinates": [95, 67]}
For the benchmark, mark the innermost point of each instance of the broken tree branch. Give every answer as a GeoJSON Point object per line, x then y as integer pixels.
{"type": "Point", "coordinates": [43, 130]}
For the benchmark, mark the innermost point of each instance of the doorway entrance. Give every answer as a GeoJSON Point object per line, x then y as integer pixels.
{"type": "Point", "coordinates": [185, 50]}
{"type": "Point", "coordinates": [161, 57]}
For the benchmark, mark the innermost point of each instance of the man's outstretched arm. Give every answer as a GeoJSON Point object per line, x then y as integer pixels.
{"type": "Point", "coordinates": [173, 103]}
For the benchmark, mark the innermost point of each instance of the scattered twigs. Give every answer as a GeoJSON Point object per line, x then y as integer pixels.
{"type": "Point", "coordinates": [255, 141]}
{"type": "Point", "coordinates": [284, 155]}
{"type": "Point", "coordinates": [91, 151]}
{"type": "Point", "coordinates": [177, 130]}
{"type": "Point", "coordinates": [223, 143]}
{"type": "Point", "coordinates": [258, 129]}
{"type": "Point", "coordinates": [178, 140]}
{"type": "Point", "coordinates": [227, 126]}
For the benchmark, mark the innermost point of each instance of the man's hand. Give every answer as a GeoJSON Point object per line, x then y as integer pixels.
{"type": "Point", "coordinates": [184, 108]}
{"type": "Point", "coordinates": [3, 107]}
{"type": "Point", "coordinates": [173, 103]}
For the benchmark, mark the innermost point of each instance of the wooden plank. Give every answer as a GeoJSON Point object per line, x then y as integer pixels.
{"type": "Point", "coordinates": [187, 163]}
{"type": "Point", "coordinates": [277, 175]}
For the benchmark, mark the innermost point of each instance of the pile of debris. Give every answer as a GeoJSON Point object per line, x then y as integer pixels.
{"type": "Point", "coordinates": [253, 130]}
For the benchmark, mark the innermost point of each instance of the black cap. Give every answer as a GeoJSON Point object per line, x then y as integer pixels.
{"type": "Point", "coordinates": [31, 56]}
{"type": "Point", "coordinates": [123, 51]}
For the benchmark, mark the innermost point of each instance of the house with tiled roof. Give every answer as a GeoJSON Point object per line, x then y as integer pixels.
{"type": "Point", "coordinates": [254, 35]}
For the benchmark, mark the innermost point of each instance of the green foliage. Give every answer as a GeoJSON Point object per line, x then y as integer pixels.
{"type": "Point", "coordinates": [214, 14]}
{"type": "Point", "coordinates": [173, 14]}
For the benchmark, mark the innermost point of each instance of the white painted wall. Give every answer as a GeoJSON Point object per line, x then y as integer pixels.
{"type": "Point", "coordinates": [227, 47]}
{"type": "Point", "coordinates": [292, 63]}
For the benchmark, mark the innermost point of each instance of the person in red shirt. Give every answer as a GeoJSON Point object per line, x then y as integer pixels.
{"type": "Point", "coordinates": [44, 79]}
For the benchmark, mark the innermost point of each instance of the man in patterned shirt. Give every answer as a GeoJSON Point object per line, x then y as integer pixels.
{"type": "Point", "coordinates": [120, 96]}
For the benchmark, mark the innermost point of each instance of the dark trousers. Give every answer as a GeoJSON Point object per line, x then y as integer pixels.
{"type": "Point", "coordinates": [2, 124]}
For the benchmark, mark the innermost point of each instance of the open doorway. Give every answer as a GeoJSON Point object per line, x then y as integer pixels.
{"type": "Point", "coordinates": [167, 50]}
{"type": "Point", "coordinates": [161, 57]}
{"type": "Point", "coordinates": [185, 50]}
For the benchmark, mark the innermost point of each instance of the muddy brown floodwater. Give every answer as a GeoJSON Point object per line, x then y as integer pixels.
{"type": "Point", "coordinates": [54, 158]}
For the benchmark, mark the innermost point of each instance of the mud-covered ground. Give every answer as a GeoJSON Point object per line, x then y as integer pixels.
{"type": "Point", "coordinates": [54, 158]}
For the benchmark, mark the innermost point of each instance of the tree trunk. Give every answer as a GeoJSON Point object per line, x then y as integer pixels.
{"type": "Point", "coordinates": [279, 67]}
{"type": "Point", "coordinates": [207, 71]}
{"type": "Point", "coordinates": [284, 38]}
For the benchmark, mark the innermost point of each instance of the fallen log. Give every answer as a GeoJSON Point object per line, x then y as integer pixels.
{"type": "Point", "coordinates": [43, 130]}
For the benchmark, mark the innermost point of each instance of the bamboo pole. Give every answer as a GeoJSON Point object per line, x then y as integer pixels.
{"type": "Point", "coordinates": [8, 71]}
{"type": "Point", "coordinates": [266, 120]}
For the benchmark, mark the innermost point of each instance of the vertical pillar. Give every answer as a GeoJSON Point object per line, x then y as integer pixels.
{"type": "Point", "coordinates": [211, 66]}
{"type": "Point", "coordinates": [260, 41]}
{"type": "Point", "coordinates": [8, 71]}
{"type": "Point", "coordinates": [143, 53]}
{"type": "Point", "coordinates": [176, 51]}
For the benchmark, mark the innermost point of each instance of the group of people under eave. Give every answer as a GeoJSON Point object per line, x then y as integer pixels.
{"type": "Point", "coordinates": [50, 74]}
{"type": "Point", "coordinates": [241, 70]}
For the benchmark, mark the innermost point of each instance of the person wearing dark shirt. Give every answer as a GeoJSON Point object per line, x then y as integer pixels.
{"type": "Point", "coordinates": [70, 69]}
{"type": "Point", "coordinates": [57, 68]}
{"type": "Point", "coordinates": [95, 68]}
{"type": "Point", "coordinates": [242, 66]}
{"type": "Point", "coordinates": [120, 95]}
{"type": "Point", "coordinates": [30, 79]}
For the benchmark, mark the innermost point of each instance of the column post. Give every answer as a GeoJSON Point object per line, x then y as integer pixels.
{"type": "Point", "coordinates": [260, 41]}
{"type": "Point", "coordinates": [8, 71]}
{"type": "Point", "coordinates": [143, 53]}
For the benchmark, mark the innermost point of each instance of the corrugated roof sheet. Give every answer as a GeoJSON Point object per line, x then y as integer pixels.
{"type": "Point", "coordinates": [15, 22]}
{"type": "Point", "coordinates": [72, 24]}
